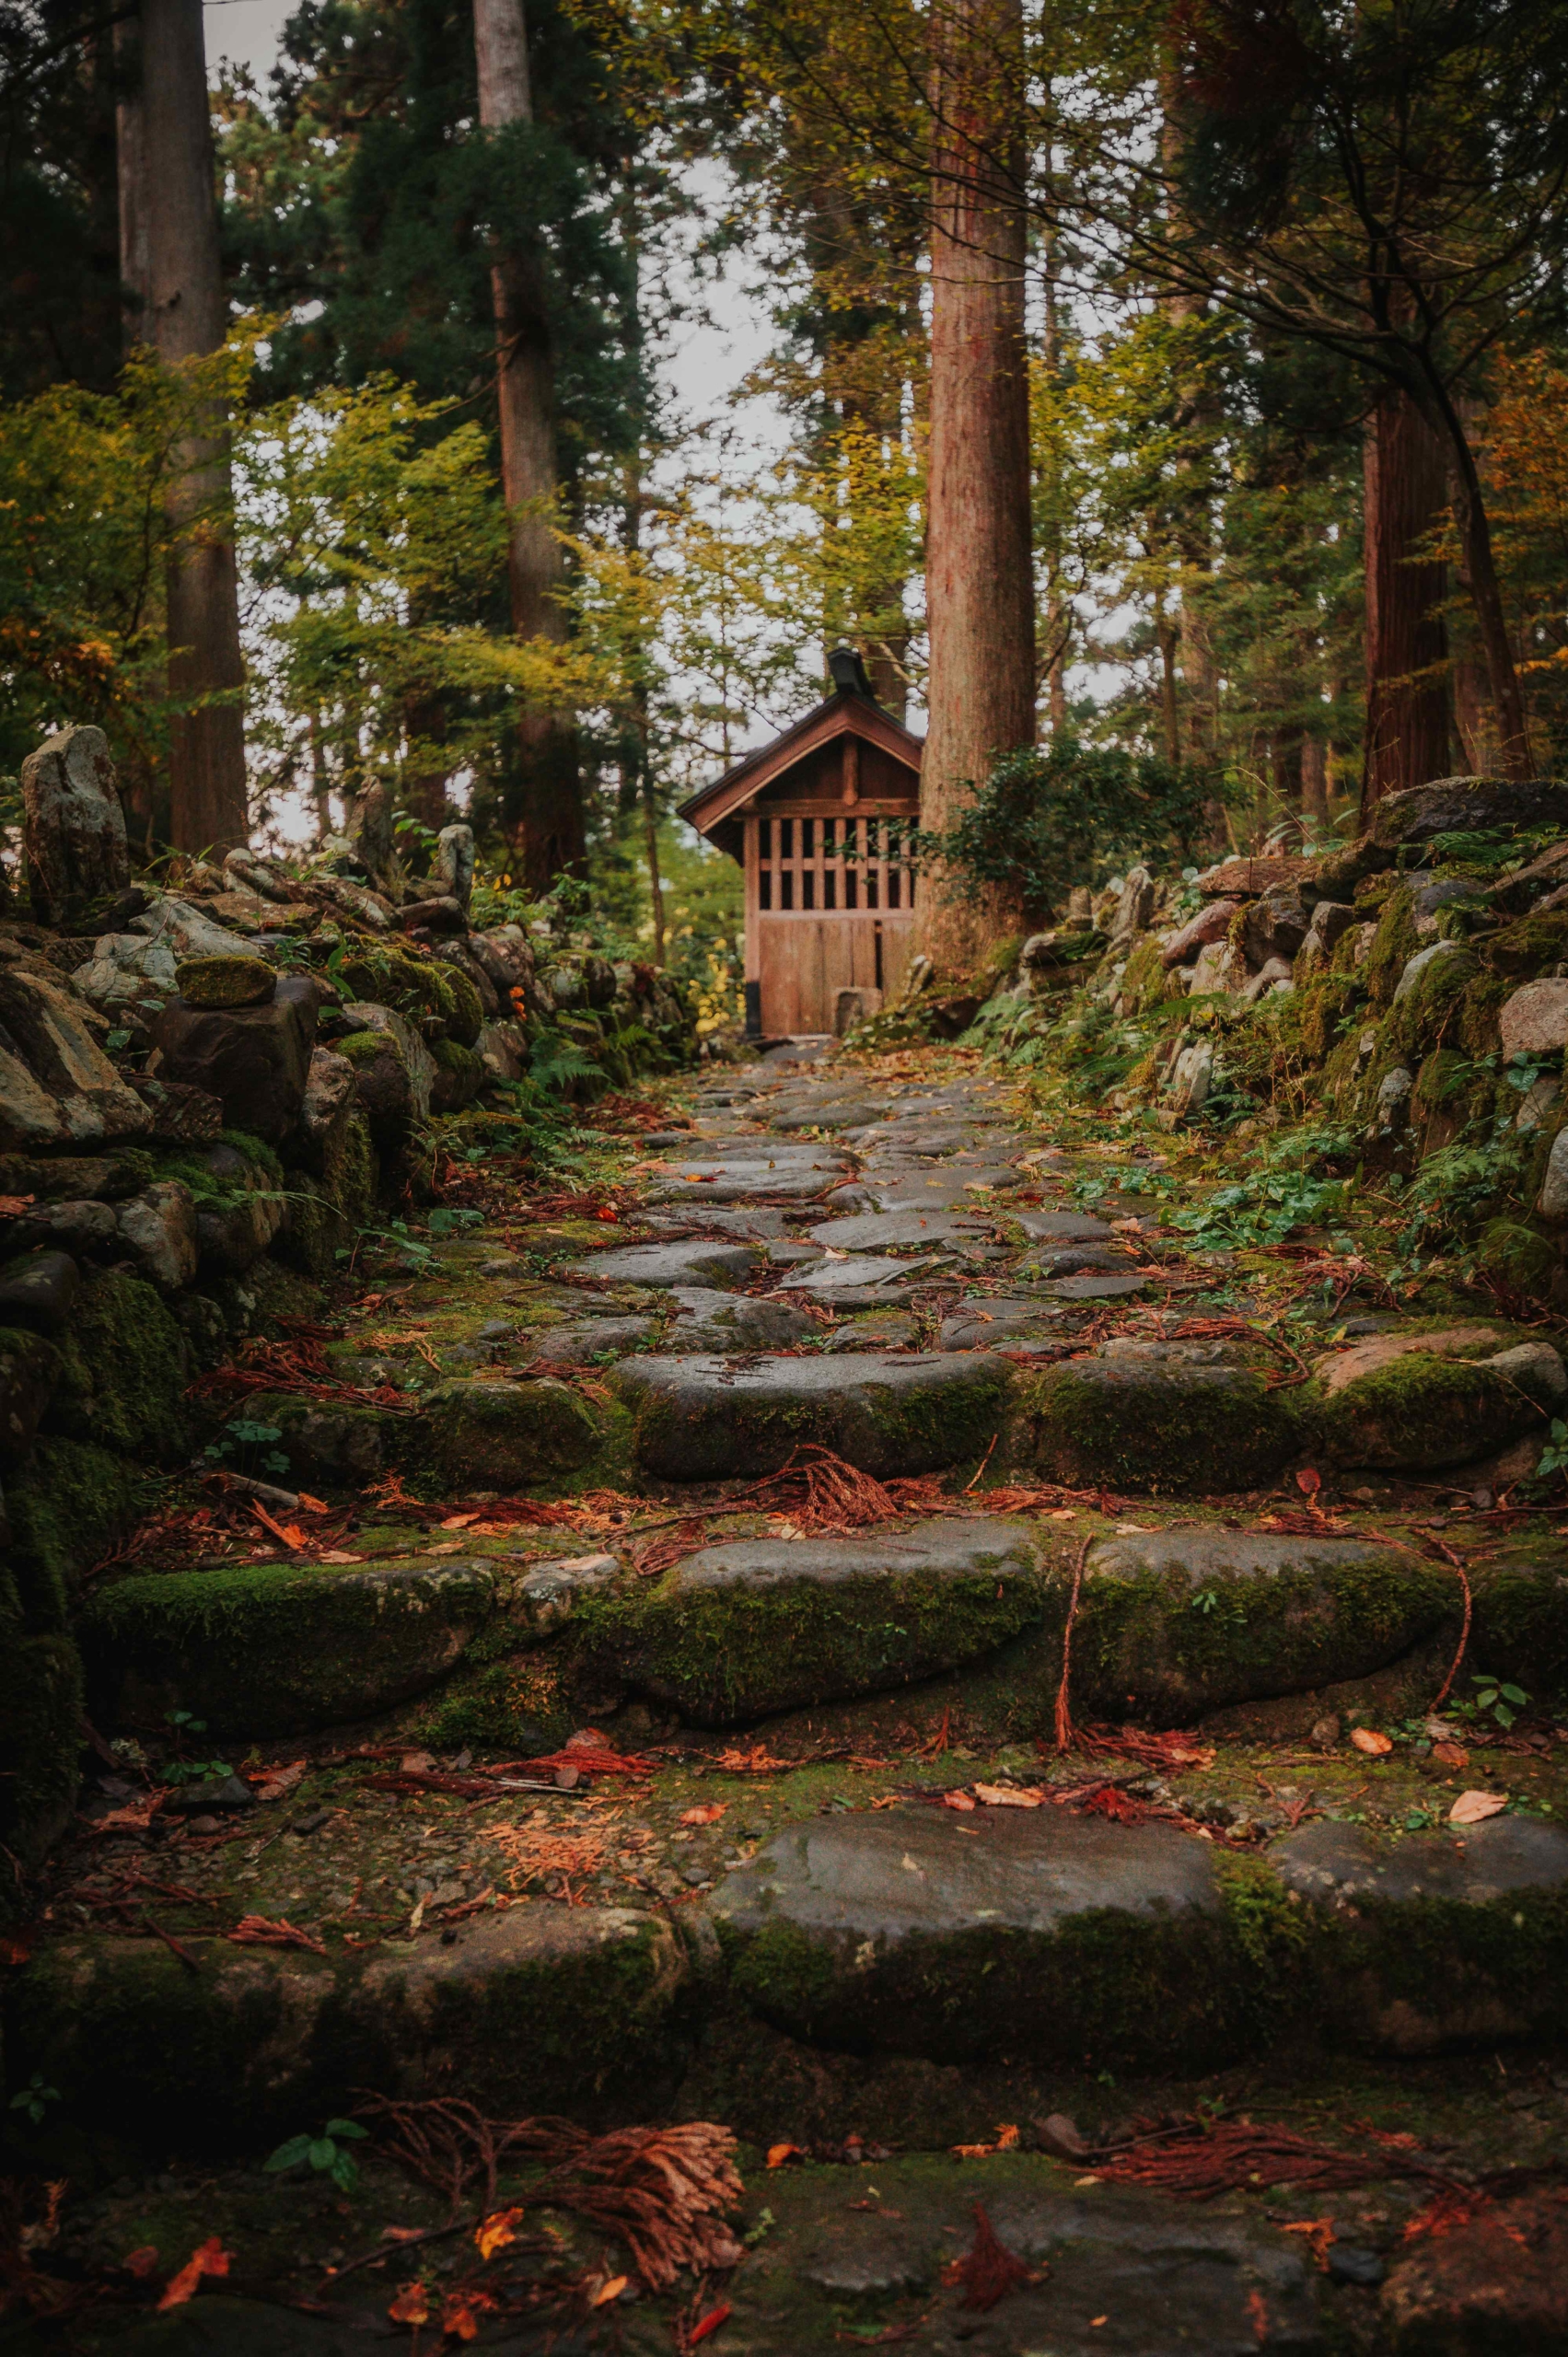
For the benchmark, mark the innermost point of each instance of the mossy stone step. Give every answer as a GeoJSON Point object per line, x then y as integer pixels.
{"type": "Point", "coordinates": [693, 1263]}
{"type": "Point", "coordinates": [531, 2008]}
{"type": "Point", "coordinates": [1159, 1419]}
{"type": "Point", "coordinates": [280, 1648]}
{"type": "Point", "coordinates": [1175, 1624]}
{"type": "Point", "coordinates": [709, 1419]}
{"type": "Point", "coordinates": [762, 1625]}
{"type": "Point", "coordinates": [1081, 1944]}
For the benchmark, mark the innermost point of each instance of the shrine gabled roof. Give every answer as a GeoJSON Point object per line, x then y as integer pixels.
{"type": "Point", "coordinates": [844, 713]}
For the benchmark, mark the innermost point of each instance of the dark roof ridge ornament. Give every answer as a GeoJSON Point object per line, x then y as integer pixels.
{"type": "Point", "coordinates": [849, 672]}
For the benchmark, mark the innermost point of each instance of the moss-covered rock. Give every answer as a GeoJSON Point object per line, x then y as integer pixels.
{"type": "Point", "coordinates": [1533, 945]}
{"type": "Point", "coordinates": [40, 1743]}
{"type": "Point", "coordinates": [500, 1435]}
{"type": "Point", "coordinates": [124, 1368]}
{"type": "Point", "coordinates": [1475, 1026]}
{"type": "Point", "coordinates": [528, 2010]}
{"type": "Point", "coordinates": [68, 1505]}
{"type": "Point", "coordinates": [327, 1210]}
{"type": "Point", "coordinates": [1421, 1412]}
{"type": "Point", "coordinates": [1173, 1427]}
{"type": "Point", "coordinates": [706, 1419]}
{"type": "Point", "coordinates": [460, 1074]}
{"type": "Point", "coordinates": [464, 1010]}
{"type": "Point", "coordinates": [757, 1625]}
{"type": "Point", "coordinates": [1394, 943]}
{"type": "Point", "coordinates": [334, 1440]}
{"type": "Point", "coordinates": [29, 1369]}
{"type": "Point", "coordinates": [1173, 1624]}
{"type": "Point", "coordinates": [1426, 1007]}
{"type": "Point", "coordinates": [227, 982]}
{"type": "Point", "coordinates": [277, 1649]}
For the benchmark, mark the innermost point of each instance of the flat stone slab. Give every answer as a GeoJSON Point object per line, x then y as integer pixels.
{"type": "Point", "coordinates": [756, 1220]}
{"type": "Point", "coordinates": [876, 1231]}
{"type": "Point", "coordinates": [832, 1113]}
{"type": "Point", "coordinates": [1063, 1227]}
{"type": "Point", "coordinates": [1175, 1624]}
{"type": "Point", "coordinates": [595, 1338]}
{"type": "Point", "coordinates": [1159, 1423]}
{"type": "Point", "coordinates": [712, 1418]}
{"type": "Point", "coordinates": [857, 1272]}
{"type": "Point", "coordinates": [747, 1182]}
{"type": "Point", "coordinates": [1097, 1284]}
{"type": "Point", "coordinates": [762, 1625]}
{"type": "Point", "coordinates": [274, 1649]}
{"type": "Point", "coordinates": [1171, 2276]}
{"type": "Point", "coordinates": [689, 1263]}
{"type": "Point", "coordinates": [1073, 1939]}
{"type": "Point", "coordinates": [1018, 1930]}
{"type": "Point", "coordinates": [708, 1321]}
{"type": "Point", "coordinates": [949, 1188]}
{"type": "Point", "coordinates": [992, 1322]}
{"type": "Point", "coordinates": [533, 2008]}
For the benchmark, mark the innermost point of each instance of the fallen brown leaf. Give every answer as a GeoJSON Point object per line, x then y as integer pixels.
{"type": "Point", "coordinates": [1367, 1739]}
{"type": "Point", "coordinates": [705, 1813]}
{"type": "Point", "coordinates": [1452, 1755]}
{"type": "Point", "coordinates": [1473, 1808]}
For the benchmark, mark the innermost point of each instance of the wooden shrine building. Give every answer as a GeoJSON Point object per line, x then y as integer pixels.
{"type": "Point", "coordinates": [815, 818]}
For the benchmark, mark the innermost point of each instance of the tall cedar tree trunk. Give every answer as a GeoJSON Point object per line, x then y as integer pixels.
{"type": "Point", "coordinates": [979, 580]}
{"type": "Point", "coordinates": [553, 838]}
{"type": "Point", "coordinates": [1407, 641]}
{"type": "Point", "coordinates": [169, 261]}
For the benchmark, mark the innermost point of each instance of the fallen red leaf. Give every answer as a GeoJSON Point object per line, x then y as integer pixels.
{"type": "Point", "coordinates": [709, 2324]}
{"type": "Point", "coordinates": [412, 2305]}
{"type": "Point", "coordinates": [705, 1813]}
{"type": "Point", "coordinates": [779, 2153]}
{"type": "Point", "coordinates": [1308, 1480]}
{"type": "Point", "coordinates": [1452, 1755]}
{"type": "Point", "coordinates": [210, 2259]}
{"type": "Point", "coordinates": [13, 1206]}
{"type": "Point", "coordinates": [14, 1948]}
{"type": "Point", "coordinates": [1367, 1739]}
{"type": "Point", "coordinates": [141, 2261]}
{"type": "Point", "coordinates": [611, 2291]}
{"type": "Point", "coordinates": [460, 2317]}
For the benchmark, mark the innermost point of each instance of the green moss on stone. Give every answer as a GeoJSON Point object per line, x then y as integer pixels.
{"type": "Point", "coordinates": [40, 1742]}
{"type": "Point", "coordinates": [1428, 1013]}
{"type": "Point", "coordinates": [1394, 943]}
{"type": "Point", "coordinates": [1419, 1412]}
{"type": "Point", "coordinates": [1085, 1423]}
{"type": "Point", "coordinates": [124, 1368]}
{"type": "Point", "coordinates": [1475, 1026]}
{"type": "Point", "coordinates": [276, 1649]}
{"type": "Point", "coordinates": [67, 1505]}
{"type": "Point", "coordinates": [1533, 945]}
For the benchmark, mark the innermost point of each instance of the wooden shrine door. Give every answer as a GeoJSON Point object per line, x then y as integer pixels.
{"type": "Point", "coordinates": [829, 907]}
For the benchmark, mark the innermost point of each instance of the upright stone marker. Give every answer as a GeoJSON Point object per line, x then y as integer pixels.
{"type": "Point", "coordinates": [73, 825]}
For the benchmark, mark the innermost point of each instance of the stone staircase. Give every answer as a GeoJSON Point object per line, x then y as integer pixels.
{"type": "Point", "coordinates": [906, 1871]}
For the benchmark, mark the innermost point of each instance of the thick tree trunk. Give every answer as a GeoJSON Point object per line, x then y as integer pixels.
{"type": "Point", "coordinates": [1406, 497]}
{"type": "Point", "coordinates": [980, 579]}
{"type": "Point", "coordinates": [552, 836]}
{"type": "Point", "coordinates": [170, 260]}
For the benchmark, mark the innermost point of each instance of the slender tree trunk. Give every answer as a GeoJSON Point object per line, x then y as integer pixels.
{"type": "Point", "coordinates": [424, 788]}
{"type": "Point", "coordinates": [171, 264]}
{"type": "Point", "coordinates": [1445, 413]}
{"type": "Point", "coordinates": [320, 779]}
{"type": "Point", "coordinates": [1406, 499]}
{"type": "Point", "coordinates": [1315, 782]}
{"type": "Point", "coordinates": [1167, 636]}
{"type": "Point", "coordinates": [552, 837]}
{"type": "Point", "coordinates": [980, 579]}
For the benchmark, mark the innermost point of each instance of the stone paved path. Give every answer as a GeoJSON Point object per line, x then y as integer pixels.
{"type": "Point", "coordinates": [776, 1497]}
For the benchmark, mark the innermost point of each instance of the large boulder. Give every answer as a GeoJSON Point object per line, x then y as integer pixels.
{"type": "Point", "coordinates": [57, 1088]}
{"type": "Point", "coordinates": [73, 825]}
{"type": "Point", "coordinates": [394, 1072]}
{"type": "Point", "coordinates": [188, 930]}
{"type": "Point", "coordinates": [255, 1060]}
{"type": "Point", "coordinates": [1467, 805]}
{"type": "Point", "coordinates": [238, 1214]}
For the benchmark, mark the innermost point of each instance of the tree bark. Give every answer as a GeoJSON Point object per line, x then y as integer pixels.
{"type": "Point", "coordinates": [170, 263]}
{"type": "Point", "coordinates": [551, 831]}
{"type": "Point", "coordinates": [1406, 498]}
{"type": "Point", "coordinates": [980, 577]}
